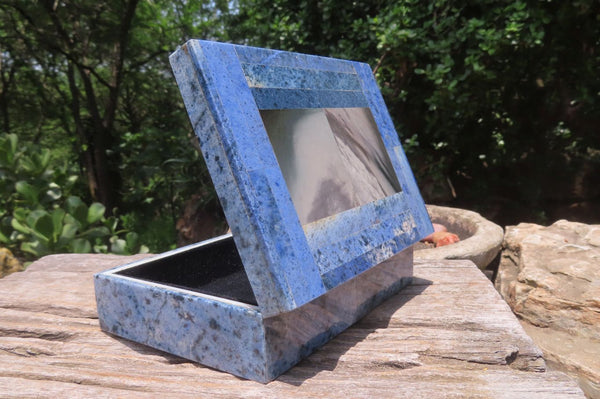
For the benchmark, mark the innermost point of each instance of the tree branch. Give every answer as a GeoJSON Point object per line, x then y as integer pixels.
{"type": "Point", "coordinates": [120, 50]}
{"type": "Point", "coordinates": [380, 61]}
{"type": "Point", "coordinates": [135, 65]}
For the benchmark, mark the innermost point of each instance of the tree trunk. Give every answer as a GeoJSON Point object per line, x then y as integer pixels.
{"type": "Point", "coordinates": [6, 79]}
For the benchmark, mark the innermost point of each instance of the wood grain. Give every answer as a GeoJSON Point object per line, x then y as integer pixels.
{"type": "Point", "coordinates": [447, 335]}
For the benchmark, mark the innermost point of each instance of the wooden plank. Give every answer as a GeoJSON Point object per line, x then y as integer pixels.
{"type": "Point", "coordinates": [447, 335]}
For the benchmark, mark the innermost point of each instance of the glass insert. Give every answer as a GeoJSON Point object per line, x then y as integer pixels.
{"type": "Point", "coordinates": [332, 159]}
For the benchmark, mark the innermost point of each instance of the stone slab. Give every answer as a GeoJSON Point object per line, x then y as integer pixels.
{"type": "Point", "coordinates": [578, 356]}
{"type": "Point", "coordinates": [447, 335]}
{"type": "Point", "coordinates": [550, 276]}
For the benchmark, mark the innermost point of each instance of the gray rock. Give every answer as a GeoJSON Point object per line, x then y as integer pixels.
{"type": "Point", "coordinates": [480, 239]}
{"type": "Point", "coordinates": [550, 277]}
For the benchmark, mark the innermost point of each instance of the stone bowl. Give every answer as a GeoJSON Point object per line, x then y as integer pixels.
{"type": "Point", "coordinates": [480, 239]}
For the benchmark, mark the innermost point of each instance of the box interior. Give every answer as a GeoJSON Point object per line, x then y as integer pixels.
{"type": "Point", "coordinates": [214, 269]}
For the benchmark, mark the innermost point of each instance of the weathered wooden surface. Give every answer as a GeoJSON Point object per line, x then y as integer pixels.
{"type": "Point", "coordinates": [447, 335]}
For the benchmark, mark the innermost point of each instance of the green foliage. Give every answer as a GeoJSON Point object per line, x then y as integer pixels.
{"type": "Point", "coordinates": [39, 217]}
{"type": "Point", "coordinates": [327, 27]}
{"type": "Point", "coordinates": [491, 98]}
{"type": "Point", "coordinates": [489, 87]}
{"type": "Point", "coordinates": [91, 82]}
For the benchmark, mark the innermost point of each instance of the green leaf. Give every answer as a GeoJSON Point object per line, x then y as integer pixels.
{"type": "Point", "coordinates": [54, 192]}
{"type": "Point", "coordinates": [33, 216]}
{"type": "Point", "coordinates": [17, 225]}
{"type": "Point", "coordinates": [13, 139]}
{"type": "Point", "coordinates": [77, 209]}
{"type": "Point", "coordinates": [35, 248]}
{"type": "Point", "coordinates": [69, 219]}
{"type": "Point", "coordinates": [175, 160]}
{"type": "Point", "coordinates": [4, 239]}
{"type": "Point", "coordinates": [28, 191]}
{"type": "Point", "coordinates": [58, 216]}
{"type": "Point", "coordinates": [95, 212]}
{"type": "Point", "coordinates": [8, 150]}
{"type": "Point", "coordinates": [43, 227]}
{"type": "Point", "coordinates": [118, 246]}
{"type": "Point", "coordinates": [69, 230]}
{"type": "Point", "coordinates": [101, 248]}
{"type": "Point", "coordinates": [81, 246]}
{"type": "Point", "coordinates": [111, 223]}
{"type": "Point", "coordinates": [44, 159]}
{"type": "Point", "coordinates": [36, 163]}
{"type": "Point", "coordinates": [21, 214]}
{"type": "Point", "coordinates": [96, 232]}
{"type": "Point", "coordinates": [132, 239]}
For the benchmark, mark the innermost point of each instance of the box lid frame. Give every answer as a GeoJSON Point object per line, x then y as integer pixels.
{"type": "Point", "coordinates": [223, 87]}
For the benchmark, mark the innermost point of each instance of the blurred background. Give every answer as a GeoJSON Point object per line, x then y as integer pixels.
{"type": "Point", "coordinates": [497, 104]}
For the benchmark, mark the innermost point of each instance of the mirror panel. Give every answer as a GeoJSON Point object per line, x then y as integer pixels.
{"type": "Point", "coordinates": [332, 159]}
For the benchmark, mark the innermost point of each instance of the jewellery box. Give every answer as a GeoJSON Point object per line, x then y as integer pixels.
{"type": "Point", "coordinates": [321, 202]}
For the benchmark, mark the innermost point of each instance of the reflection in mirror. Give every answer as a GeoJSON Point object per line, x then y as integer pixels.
{"type": "Point", "coordinates": [332, 159]}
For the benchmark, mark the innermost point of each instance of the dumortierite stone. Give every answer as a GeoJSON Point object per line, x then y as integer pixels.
{"type": "Point", "coordinates": [225, 333]}
{"type": "Point", "coordinates": [255, 302]}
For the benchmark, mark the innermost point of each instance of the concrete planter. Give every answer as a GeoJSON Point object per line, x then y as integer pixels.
{"type": "Point", "coordinates": [480, 239]}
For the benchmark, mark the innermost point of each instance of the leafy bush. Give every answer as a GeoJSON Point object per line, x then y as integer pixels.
{"type": "Point", "coordinates": [38, 216]}
{"type": "Point", "coordinates": [493, 88]}
{"type": "Point", "coordinates": [491, 98]}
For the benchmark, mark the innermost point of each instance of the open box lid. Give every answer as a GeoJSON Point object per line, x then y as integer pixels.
{"type": "Point", "coordinates": [307, 165]}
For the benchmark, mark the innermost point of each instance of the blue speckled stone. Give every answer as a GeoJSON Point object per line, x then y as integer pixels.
{"type": "Point", "coordinates": [310, 282]}
{"type": "Point", "coordinates": [305, 98]}
{"type": "Point", "coordinates": [276, 58]}
{"type": "Point", "coordinates": [285, 268]}
{"type": "Point", "coordinates": [232, 336]}
{"type": "Point", "coordinates": [218, 334]}
{"type": "Point", "coordinates": [261, 76]}
{"type": "Point", "coordinates": [251, 202]}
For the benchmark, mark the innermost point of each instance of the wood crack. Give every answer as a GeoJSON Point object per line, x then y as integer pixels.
{"type": "Point", "coordinates": [61, 336]}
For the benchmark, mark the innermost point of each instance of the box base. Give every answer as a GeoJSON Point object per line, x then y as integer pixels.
{"type": "Point", "coordinates": [196, 302]}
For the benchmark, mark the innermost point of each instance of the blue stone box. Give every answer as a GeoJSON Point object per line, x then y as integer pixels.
{"type": "Point", "coordinates": [321, 202]}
